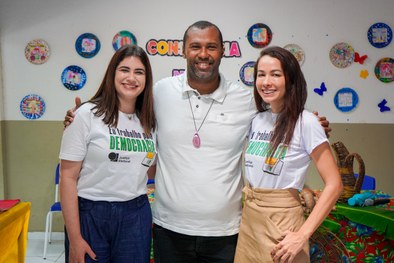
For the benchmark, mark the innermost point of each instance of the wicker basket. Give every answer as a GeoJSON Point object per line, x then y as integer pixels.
{"type": "Point", "coordinates": [351, 185]}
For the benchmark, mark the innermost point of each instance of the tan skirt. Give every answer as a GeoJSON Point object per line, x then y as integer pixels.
{"type": "Point", "coordinates": [266, 215]}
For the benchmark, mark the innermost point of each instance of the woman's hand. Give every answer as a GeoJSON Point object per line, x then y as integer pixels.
{"type": "Point", "coordinates": [289, 247]}
{"type": "Point", "coordinates": [78, 249]}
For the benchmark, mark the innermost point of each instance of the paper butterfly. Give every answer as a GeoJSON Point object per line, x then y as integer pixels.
{"type": "Point", "coordinates": [383, 107]}
{"type": "Point", "coordinates": [321, 89]}
{"type": "Point", "coordinates": [359, 59]}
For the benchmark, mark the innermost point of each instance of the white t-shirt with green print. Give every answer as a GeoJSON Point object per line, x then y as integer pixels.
{"type": "Point", "coordinates": [115, 160]}
{"type": "Point", "coordinates": [288, 167]}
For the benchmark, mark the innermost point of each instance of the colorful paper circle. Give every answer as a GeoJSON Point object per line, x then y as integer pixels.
{"type": "Point", "coordinates": [87, 45]}
{"type": "Point", "coordinates": [380, 35]}
{"type": "Point", "coordinates": [37, 51]}
{"type": "Point", "coordinates": [346, 99]}
{"type": "Point", "coordinates": [123, 38]}
{"type": "Point", "coordinates": [259, 35]}
{"type": "Point", "coordinates": [297, 51]}
{"type": "Point", "coordinates": [342, 55]}
{"type": "Point", "coordinates": [384, 70]}
{"type": "Point", "coordinates": [73, 77]}
{"type": "Point", "coordinates": [246, 73]}
{"type": "Point", "coordinates": [32, 106]}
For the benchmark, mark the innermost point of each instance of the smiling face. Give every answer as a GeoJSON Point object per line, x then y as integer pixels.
{"type": "Point", "coordinates": [203, 51]}
{"type": "Point", "coordinates": [130, 78]}
{"type": "Point", "coordinates": [270, 82]}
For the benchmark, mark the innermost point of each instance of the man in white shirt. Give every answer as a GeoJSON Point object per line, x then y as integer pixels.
{"type": "Point", "coordinates": [202, 121]}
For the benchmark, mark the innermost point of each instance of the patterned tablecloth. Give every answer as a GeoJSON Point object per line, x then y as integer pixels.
{"type": "Point", "coordinates": [357, 234]}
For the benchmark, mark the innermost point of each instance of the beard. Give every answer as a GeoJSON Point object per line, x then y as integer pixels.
{"type": "Point", "coordinates": [203, 75]}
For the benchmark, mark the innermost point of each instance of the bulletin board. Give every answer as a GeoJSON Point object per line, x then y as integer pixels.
{"type": "Point", "coordinates": [53, 51]}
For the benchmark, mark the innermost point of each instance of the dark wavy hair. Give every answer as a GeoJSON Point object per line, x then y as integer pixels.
{"type": "Point", "coordinates": [294, 99]}
{"type": "Point", "coordinates": [106, 100]}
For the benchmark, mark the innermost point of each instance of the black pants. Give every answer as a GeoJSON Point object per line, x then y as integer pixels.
{"type": "Point", "coordinates": [172, 247]}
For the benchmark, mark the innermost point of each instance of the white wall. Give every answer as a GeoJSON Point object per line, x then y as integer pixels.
{"type": "Point", "coordinates": [1, 88]}
{"type": "Point", "coordinates": [1, 134]}
{"type": "Point", "coordinates": [314, 25]}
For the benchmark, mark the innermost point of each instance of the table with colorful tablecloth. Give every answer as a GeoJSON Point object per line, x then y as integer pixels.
{"type": "Point", "coordinates": [362, 234]}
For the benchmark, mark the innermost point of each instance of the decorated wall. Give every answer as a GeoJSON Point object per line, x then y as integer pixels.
{"type": "Point", "coordinates": [60, 49]}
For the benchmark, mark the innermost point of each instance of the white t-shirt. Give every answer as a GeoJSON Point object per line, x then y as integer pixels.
{"type": "Point", "coordinates": [115, 160]}
{"type": "Point", "coordinates": [287, 169]}
{"type": "Point", "coordinates": [198, 191]}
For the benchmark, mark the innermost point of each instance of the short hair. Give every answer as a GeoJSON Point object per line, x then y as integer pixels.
{"type": "Point", "coordinates": [202, 24]}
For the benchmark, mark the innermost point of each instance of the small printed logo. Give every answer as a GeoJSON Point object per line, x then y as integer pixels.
{"type": "Point", "coordinates": [148, 159]}
{"type": "Point", "coordinates": [113, 156]}
{"type": "Point", "coordinates": [273, 166]}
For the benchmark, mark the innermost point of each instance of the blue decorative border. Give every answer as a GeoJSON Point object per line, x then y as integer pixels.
{"type": "Point", "coordinates": [349, 105]}
{"type": "Point", "coordinates": [73, 77]}
{"type": "Point", "coordinates": [259, 35]}
{"type": "Point", "coordinates": [387, 37]}
{"type": "Point", "coordinates": [245, 71]}
{"type": "Point", "coordinates": [93, 45]}
{"type": "Point", "coordinates": [32, 106]}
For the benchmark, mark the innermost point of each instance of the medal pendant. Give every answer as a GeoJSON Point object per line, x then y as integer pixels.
{"type": "Point", "coordinates": [196, 141]}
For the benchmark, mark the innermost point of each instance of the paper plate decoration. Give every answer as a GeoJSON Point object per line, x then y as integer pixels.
{"type": "Point", "coordinates": [32, 106]}
{"type": "Point", "coordinates": [87, 45]}
{"type": "Point", "coordinates": [259, 35]}
{"type": "Point", "coordinates": [380, 35]}
{"type": "Point", "coordinates": [342, 55]}
{"type": "Point", "coordinates": [384, 70]}
{"type": "Point", "coordinates": [37, 51]}
{"type": "Point", "coordinates": [123, 38]}
{"type": "Point", "coordinates": [297, 51]}
{"type": "Point", "coordinates": [346, 99]}
{"type": "Point", "coordinates": [246, 73]}
{"type": "Point", "coordinates": [73, 77]}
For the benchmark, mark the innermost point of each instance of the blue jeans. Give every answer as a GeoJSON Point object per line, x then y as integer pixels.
{"type": "Point", "coordinates": [117, 232]}
{"type": "Point", "coordinates": [172, 247]}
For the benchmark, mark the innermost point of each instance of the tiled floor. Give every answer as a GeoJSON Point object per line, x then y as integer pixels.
{"type": "Point", "coordinates": [35, 248]}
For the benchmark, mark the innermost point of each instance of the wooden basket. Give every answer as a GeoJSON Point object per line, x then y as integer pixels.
{"type": "Point", "coordinates": [351, 185]}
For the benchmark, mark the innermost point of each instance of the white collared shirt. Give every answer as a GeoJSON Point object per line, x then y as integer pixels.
{"type": "Point", "coordinates": [198, 191]}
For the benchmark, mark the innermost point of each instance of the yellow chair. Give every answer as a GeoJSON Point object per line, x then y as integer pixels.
{"type": "Point", "coordinates": [55, 208]}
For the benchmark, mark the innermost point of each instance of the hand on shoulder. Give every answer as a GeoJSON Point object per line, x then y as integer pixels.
{"type": "Point", "coordinates": [69, 118]}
